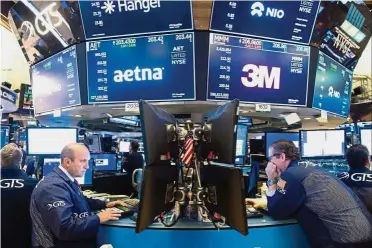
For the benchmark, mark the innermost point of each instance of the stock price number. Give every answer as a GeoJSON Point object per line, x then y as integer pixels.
{"type": "Point", "coordinates": [278, 45]}
{"type": "Point", "coordinates": [186, 36]}
{"type": "Point", "coordinates": [125, 42]}
{"type": "Point", "coordinates": [154, 39]}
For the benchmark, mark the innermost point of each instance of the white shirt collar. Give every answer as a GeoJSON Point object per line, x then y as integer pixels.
{"type": "Point", "coordinates": [66, 172]}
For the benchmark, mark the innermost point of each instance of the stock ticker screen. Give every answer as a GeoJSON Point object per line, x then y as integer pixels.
{"type": "Point", "coordinates": [125, 17]}
{"type": "Point", "coordinates": [153, 68]}
{"type": "Point", "coordinates": [55, 82]}
{"type": "Point", "coordinates": [254, 70]}
{"type": "Point", "coordinates": [333, 83]}
{"type": "Point", "coordinates": [291, 21]}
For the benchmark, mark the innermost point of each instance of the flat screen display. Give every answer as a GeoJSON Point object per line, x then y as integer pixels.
{"type": "Point", "coordinates": [366, 139]}
{"type": "Point", "coordinates": [49, 141]}
{"type": "Point", "coordinates": [322, 143]}
{"type": "Point", "coordinates": [152, 68]}
{"type": "Point", "coordinates": [5, 136]}
{"type": "Point", "coordinates": [332, 90]}
{"type": "Point", "coordinates": [271, 137]}
{"type": "Point", "coordinates": [104, 162]}
{"type": "Point", "coordinates": [45, 27]}
{"type": "Point", "coordinates": [279, 20]}
{"type": "Point", "coordinates": [25, 97]}
{"type": "Point", "coordinates": [134, 17]}
{"type": "Point", "coordinates": [124, 146]}
{"type": "Point", "coordinates": [241, 140]}
{"type": "Point", "coordinates": [94, 144]}
{"type": "Point", "coordinates": [342, 30]}
{"type": "Point", "coordinates": [253, 70]}
{"type": "Point", "coordinates": [55, 82]}
{"type": "Point", "coordinates": [50, 164]}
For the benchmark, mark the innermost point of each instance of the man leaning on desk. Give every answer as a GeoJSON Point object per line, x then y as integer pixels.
{"type": "Point", "coordinates": [329, 213]}
{"type": "Point", "coordinates": [61, 215]}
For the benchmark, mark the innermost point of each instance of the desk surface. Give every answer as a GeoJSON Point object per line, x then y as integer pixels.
{"type": "Point", "coordinates": [265, 221]}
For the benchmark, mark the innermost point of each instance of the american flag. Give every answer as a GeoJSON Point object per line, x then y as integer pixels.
{"type": "Point", "coordinates": [189, 150]}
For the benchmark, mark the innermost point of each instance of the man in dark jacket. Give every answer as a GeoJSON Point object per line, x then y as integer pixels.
{"type": "Point", "coordinates": [16, 189]}
{"type": "Point", "coordinates": [359, 177]}
{"type": "Point", "coordinates": [134, 160]}
{"type": "Point", "coordinates": [61, 214]}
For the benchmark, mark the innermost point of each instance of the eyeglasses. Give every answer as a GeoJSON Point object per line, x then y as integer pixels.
{"type": "Point", "coordinates": [271, 157]}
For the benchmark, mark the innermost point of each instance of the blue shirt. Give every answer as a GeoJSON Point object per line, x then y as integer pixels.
{"type": "Point", "coordinates": [327, 210]}
{"type": "Point", "coordinates": [61, 214]}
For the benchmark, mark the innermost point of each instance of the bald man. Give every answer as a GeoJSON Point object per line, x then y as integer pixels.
{"type": "Point", "coordinates": [61, 214]}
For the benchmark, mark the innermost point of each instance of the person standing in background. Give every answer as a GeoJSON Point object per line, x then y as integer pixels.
{"type": "Point", "coordinates": [134, 160]}
{"type": "Point", "coordinates": [16, 190]}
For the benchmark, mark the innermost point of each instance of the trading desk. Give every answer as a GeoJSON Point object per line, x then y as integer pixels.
{"type": "Point", "coordinates": [263, 233]}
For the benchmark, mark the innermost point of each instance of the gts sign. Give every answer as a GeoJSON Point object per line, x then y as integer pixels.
{"type": "Point", "coordinates": [261, 77]}
{"type": "Point", "coordinates": [12, 183]}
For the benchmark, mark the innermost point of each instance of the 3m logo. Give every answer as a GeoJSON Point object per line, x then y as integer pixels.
{"type": "Point", "coordinates": [259, 76]}
{"type": "Point", "coordinates": [258, 9]}
{"type": "Point", "coordinates": [146, 74]}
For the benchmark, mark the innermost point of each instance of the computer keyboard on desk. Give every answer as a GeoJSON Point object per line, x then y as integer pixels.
{"type": "Point", "coordinates": [131, 202]}
{"type": "Point", "coordinates": [124, 211]}
{"type": "Point", "coordinates": [253, 213]}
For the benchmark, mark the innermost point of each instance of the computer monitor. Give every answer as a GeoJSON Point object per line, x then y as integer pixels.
{"type": "Point", "coordinates": [124, 146]}
{"type": "Point", "coordinates": [256, 146]}
{"type": "Point", "coordinates": [49, 141]}
{"type": "Point", "coordinates": [50, 164]}
{"type": "Point", "coordinates": [5, 135]}
{"type": "Point", "coordinates": [365, 135]}
{"type": "Point", "coordinates": [94, 143]}
{"type": "Point", "coordinates": [104, 162]}
{"type": "Point", "coordinates": [323, 143]}
{"type": "Point", "coordinates": [106, 144]}
{"type": "Point", "coordinates": [272, 137]}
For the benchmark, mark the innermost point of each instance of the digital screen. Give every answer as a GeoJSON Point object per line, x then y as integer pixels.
{"type": "Point", "coordinates": [94, 144]}
{"type": "Point", "coordinates": [50, 164]}
{"type": "Point", "coordinates": [253, 70]}
{"type": "Point", "coordinates": [366, 139]}
{"type": "Point", "coordinates": [322, 143]}
{"type": "Point", "coordinates": [25, 98]}
{"type": "Point", "coordinates": [333, 83]}
{"type": "Point", "coordinates": [104, 162]}
{"type": "Point", "coordinates": [124, 146]}
{"type": "Point", "coordinates": [279, 20]}
{"type": "Point", "coordinates": [274, 137]}
{"type": "Point", "coordinates": [342, 30]}
{"type": "Point", "coordinates": [153, 68]}
{"type": "Point", "coordinates": [44, 141]}
{"type": "Point", "coordinates": [134, 17]}
{"type": "Point", "coordinates": [55, 82]}
{"type": "Point", "coordinates": [5, 132]}
{"type": "Point", "coordinates": [241, 140]}
{"type": "Point", "coordinates": [243, 120]}
{"type": "Point", "coordinates": [45, 27]}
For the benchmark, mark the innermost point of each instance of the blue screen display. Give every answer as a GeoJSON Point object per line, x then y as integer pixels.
{"type": "Point", "coordinates": [273, 137]}
{"type": "Point", "coordinates": [333, 83]}
{"type": "Point", "coordinates": [280, 20]}
{"type": "Point", "coordinates": [153, 68]}
{"type": "Point", "coordinates": [55, 82]}
{"type": "Point", "coordinates": [4, 136]}
{"type": "Point", "coordinates": [253, 70]}
{"type": "Point", "coordinates": [50, 164]}
{"type": "Point", "coordinates": [104, 162]}
{"type": "Point", "coordinates": [130, 17]}
{"type": "Point", "coordinates": [241, 140]}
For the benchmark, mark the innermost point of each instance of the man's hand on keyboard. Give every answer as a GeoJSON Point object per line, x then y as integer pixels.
{"type": "Point", "coordinates": [256, 202]}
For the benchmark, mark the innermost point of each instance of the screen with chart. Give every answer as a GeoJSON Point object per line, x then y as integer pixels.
{"type": "Point", "coordinates": [104, 161]}
{"type": "Point", "coordinates": [272, 137]}
{"type": "Point", "coordinates": [322, 143]}
{"type": "Point", "coordinates": [55, 82]}
{"type": "Point", "coordinates": [280, 20]}
{"type": "Point", "coordinates": [134, 17]}
{"type": "Point", "coordinates": [248, 69]}
{"type": "Point", "coordinates": [333, 83]}
{"type": "Point", "coordinates": [153, 68]}
{"type": "Point", "coordinates": [366, 139]}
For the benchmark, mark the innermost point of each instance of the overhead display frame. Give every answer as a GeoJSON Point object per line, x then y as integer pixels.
{"type": "Point", "coordinates": [257, 71]}
{"type": "Point", "coordinates": [290, 21]}
{"type": "Point", "coordinates": [152, 68]}
{"type": "Point", "coordinates": [145, 17]}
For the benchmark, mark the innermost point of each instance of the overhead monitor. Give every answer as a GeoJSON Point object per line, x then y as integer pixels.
{"type": "Point", "coordinates": [49, 141]}
{"type": "Point", "coordinates": [255, 71]}
{"type": "Point", "coordinates": [272, 137]}
{"type": "Point", "coordinates": [25, 98]}
{"type": "Point", "coordinates": [124, 146]}
{"type": "Point", "coordinates": [366, 138]}
{"type": "Point", "coordinates": [153, 68]}
{"type": "Point", "coordinates": [322, 143]}
{"type": "Point", "coordinates": [332, 89]}
{"type": "Point", "coordinates": [45, 27]}
{"type": "Point", "coordinates": [5, 135]}
{"type": "Point", "coordinates": [291, 21]}
{"type": "Point", "coordinates": [146, 17]}
{"type": "Point", "coordinates": [241, 141]}
{"type": "Point", "coordinates": [104, 161]}
{"type": "Point", "coordinates": [55, 82]}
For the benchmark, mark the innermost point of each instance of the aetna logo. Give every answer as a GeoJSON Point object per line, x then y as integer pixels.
{"type": "Point", "coordinates": [145, 74]}
{"type": "Point", "coordinates": [258, 9]}
{"type": "Point", "coordinates": [259, 76]}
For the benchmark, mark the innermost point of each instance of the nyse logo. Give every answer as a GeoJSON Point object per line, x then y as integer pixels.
{"type": "Point", "coordinates": [259, 76]}
{"type": "Point", "coordinates": [145, 74]}
{"type": "Point", "coordinates": [258, 9]}
{"type": "Point", "coordinates": [12, 183]}
{"type": "Point", "coordinates": [130, 5]}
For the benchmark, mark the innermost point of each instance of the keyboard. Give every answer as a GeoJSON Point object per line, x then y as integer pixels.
{"type": "Point", "coordinates": [131, 202]}
{"type": "Point", "coordinates": [253, 213]}
{"type": "Point", "coordinates": [124, 211]}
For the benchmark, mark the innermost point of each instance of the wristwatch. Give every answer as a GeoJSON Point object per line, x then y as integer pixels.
{"type": "Point", "coordinates": [271, 182]}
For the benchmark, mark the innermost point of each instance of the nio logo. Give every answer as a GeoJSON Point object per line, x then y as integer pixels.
{"type": "Point", "coordinates": [145, 74]}
{"type": "Point", "coordinates": [258, 9]}
{"type": "Point", "coordinates": [259, 76]}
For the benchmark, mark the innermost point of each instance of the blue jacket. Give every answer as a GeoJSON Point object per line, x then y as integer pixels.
{"type": "Point", "coordinates": [329, 213]}
{"type": "Point", "coordinates": [61, 215]}
{"type": "Point", "coordinates": [16, 189]}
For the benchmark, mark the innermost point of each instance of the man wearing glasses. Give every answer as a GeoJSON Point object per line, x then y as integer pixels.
{"type": "Point", "coordinates": [330, 215]}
